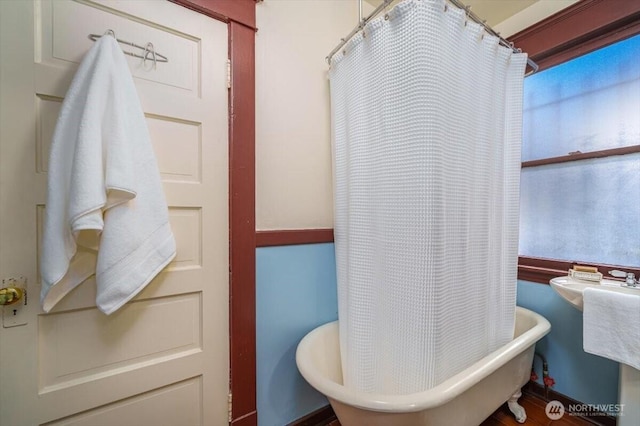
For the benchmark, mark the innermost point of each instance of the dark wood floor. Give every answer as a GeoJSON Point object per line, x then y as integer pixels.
{"type": "Point", "coordinates": [535, 416]}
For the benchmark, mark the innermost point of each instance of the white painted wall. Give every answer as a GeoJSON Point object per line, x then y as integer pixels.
{"type": "Point", "coordinates": [293, 140]}
{"type": "Point", "coordinates": [293, 145]}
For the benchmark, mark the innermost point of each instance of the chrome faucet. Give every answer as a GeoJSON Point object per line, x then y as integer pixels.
{"type": "Point", "coordinates": [630, 277]}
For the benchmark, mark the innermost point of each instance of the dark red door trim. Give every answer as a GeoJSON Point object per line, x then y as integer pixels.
{"type": "Point", "coordinates": [242, 227]}
{"type": "Point", "coordinates": [240, 16]}
{"type": "Point", "coordinates": [240, 11]}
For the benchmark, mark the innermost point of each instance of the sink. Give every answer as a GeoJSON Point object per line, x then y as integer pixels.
{"type": "Point", "coordinates": [571, 289]}
{"type": "Point", "coordinates": [629, 378]}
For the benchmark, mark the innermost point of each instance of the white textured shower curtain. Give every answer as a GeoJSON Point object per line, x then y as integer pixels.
{"type": "Point", "coordinates": [426, 116]}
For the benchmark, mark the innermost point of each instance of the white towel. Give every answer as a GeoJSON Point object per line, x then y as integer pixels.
{"type": "Point", "coordinates": [612, 325]}
{"type": "Point", "coordinates": [106, 212]}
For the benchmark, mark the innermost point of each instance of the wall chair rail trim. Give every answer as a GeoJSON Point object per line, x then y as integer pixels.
{"type": "Point", "coordinates": [541, 270]}
{"type": "Point", "coordinates": [287, 237]}
{"type": "Point", "coordinates": [533, 269]}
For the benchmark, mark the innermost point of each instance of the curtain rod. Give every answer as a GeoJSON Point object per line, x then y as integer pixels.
{"type": "Point", "coordinates": [362, 22]}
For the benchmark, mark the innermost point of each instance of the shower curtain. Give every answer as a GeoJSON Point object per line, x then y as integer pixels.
{"type": "Point", "coordinates": [426, 117]}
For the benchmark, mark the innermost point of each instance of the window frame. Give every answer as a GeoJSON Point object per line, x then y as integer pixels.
{"type": "Point", "coordinates": [575, 31]}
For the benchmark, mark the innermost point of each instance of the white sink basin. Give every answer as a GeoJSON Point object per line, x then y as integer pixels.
{"type": "Point", "coordinates": [629, 378]}
{"type": "Point", "coordinates": [571, 289]}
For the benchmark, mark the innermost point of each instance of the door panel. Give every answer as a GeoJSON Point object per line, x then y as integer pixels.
{"type": "Point", "coordinates": [160, 404]}
{"type": "Point", "coordinates": [157, 359]}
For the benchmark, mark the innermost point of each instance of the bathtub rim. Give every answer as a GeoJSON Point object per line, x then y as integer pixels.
{"type": "Point", "coordinates": [434, 397]}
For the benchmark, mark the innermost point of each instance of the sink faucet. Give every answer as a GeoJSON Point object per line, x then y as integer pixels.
{"type": "Point", "coordinates": [630, 277]}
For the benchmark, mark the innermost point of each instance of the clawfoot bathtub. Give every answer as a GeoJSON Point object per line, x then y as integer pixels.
{"type": "Point", "coordinates": [465, 399]}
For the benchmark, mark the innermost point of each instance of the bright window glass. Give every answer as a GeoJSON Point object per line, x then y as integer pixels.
{"type": "Point", "coordinates": [586, 210]}
{"type": "Point", "coordinates": [583, 210]}
{"type": "Point", "coordinates": [587, 104]}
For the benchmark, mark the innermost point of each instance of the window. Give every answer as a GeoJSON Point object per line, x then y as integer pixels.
{"type": "Point", "coordinates": [580, 186]}
{"type": "Point", "coordinates": [581, 147]}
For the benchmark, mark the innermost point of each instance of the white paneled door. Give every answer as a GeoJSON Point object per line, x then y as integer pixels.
{"type": "Point", "coordinates": [162, 359]}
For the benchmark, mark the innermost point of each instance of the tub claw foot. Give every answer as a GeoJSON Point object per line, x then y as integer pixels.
{"type": "Point", "coordinates": [517, 409]}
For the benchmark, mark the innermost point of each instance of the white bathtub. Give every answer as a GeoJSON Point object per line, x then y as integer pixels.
{"type": "Point", "coordinates": [465, 399]}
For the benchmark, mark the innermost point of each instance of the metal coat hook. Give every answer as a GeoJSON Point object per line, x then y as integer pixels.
{"type": "Point", "coordinates": [148, 49]}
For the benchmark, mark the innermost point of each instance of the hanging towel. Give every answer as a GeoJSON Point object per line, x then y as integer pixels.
{"type": "Point", "coordinates": [612, 325]}
{"type": "Point", "coordinates": [106, 212]}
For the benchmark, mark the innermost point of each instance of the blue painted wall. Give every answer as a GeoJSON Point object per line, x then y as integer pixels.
{"type": "Point", "coordinates": [295, 293]}
{"type": "Point", "coordinates": [579, 375]}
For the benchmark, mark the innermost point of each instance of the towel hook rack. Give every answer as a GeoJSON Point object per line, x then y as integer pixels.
{"type": "Point", "coordinates": [150, 49]}
{"type": "Point", "coordinates": [147, 50]}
